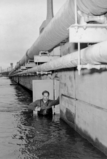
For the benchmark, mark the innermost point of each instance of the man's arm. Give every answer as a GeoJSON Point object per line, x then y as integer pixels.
{"type": "Point", "coordinates": [53, 102]}
{"type": "Point", "coordinates": [32, 106]}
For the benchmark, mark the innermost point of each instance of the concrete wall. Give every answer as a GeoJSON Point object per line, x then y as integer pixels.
{"type": "Point", "coordinates": [25, 81]}
{"type": "Point", "coordinates": [84, 104]}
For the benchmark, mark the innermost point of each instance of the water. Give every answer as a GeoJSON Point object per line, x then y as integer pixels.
{"type": "Point", "coordinates": [26, 137]}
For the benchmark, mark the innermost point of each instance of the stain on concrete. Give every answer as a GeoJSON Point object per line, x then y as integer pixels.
{"type": "Point", "coordinates": [63, 117]}
{"type": "Point", "coordinates": [70, 116]}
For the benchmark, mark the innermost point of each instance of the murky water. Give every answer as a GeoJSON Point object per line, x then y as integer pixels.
{"type": "Point", "coordinates": [25, 137]}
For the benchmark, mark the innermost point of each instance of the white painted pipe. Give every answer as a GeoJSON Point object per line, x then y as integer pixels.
{"type": "Point", "coordinates": [95, 54]}
{"type": "Point", "coordinates": [54, 33]}
{"type": "Point", "coordinates": [57, 29]}
{"type": "Point", "coordinates": [92, 7]}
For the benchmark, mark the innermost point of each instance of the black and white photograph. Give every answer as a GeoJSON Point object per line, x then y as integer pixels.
{"type": "Point", "coordinates": [53, 79]}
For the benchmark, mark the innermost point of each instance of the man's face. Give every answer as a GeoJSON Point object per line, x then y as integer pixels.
{"type": "Point", "coordinates": [45, 97]}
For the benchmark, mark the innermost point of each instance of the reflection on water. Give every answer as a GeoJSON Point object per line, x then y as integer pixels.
{"type": "Point", "coordinates": [23, 136]}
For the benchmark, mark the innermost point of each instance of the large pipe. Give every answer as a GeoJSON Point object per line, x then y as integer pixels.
{"type": "Point", "coordinates": [57, 29]}
{"type": "Point", "coordinates": [95, 54]}
{"type": "Point", "coordinates": [93, 7]}
{"type": "Point", "coordinates": [54, 33]}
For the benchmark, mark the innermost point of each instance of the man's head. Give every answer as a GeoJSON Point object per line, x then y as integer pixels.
{"type": "Point", "coordinates": [45, 95]}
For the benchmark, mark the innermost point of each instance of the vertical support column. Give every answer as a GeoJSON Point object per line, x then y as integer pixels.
{"type": "Point", "coordinates": [79, 59]}
{"type": "Point", "coordinates": [49, 9]}
{"type": "Point", "coordinates": [56, 109]}
{"type": "Point", "coordinates": [76, 24]}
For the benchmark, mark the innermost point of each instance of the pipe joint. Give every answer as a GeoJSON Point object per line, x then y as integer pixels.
{"type": "Point", "coordinates": [28, 57]}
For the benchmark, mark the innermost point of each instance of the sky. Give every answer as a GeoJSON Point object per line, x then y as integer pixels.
{"type": "Point", "coordinates": [19, 27]}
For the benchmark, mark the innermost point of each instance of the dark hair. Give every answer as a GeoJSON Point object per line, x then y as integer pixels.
{"type": "Point", "coordinates": [45, 92]}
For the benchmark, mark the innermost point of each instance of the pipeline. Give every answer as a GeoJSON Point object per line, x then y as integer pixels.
{"type": "Point", "coordinates": [95, 54]}
{"type": "Point", "coordinates": [92, 7]}
{"type": "Point", "coordinates": [53, 34]}
{"type": "Point", "coordinates": [57, 29]}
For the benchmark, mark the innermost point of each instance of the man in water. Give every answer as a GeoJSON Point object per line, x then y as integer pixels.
{"type": "Point", "coordinates": [44, 105]}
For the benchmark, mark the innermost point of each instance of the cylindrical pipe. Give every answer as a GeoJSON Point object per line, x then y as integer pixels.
{"type": "Point", "coordinates": [93, 7]}
{"type": "Point", "coordinates": [55, 32]}
{"type": "Point", "coordinates": [95, 54]}
{"type": "Point", "coordinates": [57, 29]}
